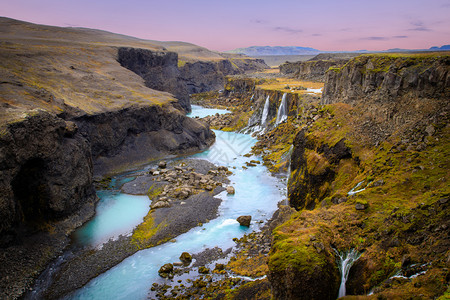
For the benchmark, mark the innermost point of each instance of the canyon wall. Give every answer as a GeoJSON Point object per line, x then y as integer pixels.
{"type": "Point", "coordinates": [138, 134]}
{"type": "Point", "coordinates": [383, 125]}
{"type": "Point", "coordinates": [163, 71]}
{"type": "Point", "coordinates": [159, 69]}
{"type": "Point", "coordinates": [385, 78]}
{"type": "Point", "coordinates": [310, 70]}
{"type": "Point", "coordinates": [315, 68]}
{"type": "Point", "coordinates": [46, 171]}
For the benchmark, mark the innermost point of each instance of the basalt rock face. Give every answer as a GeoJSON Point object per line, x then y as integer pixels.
{"type": "Point", "coordinates": [310, 70]}
{"type": "Point", "coordinates": [314, 165]}
{"type": "Point", "coordinates": [140, 133]}
{"type": "Point", "coordinates": [46, 171]}
{"type": "Point", "coordinates": [396, 91]}
{"type": "Point", "coordinates": [203, 76]}
{"type": "Point", "coordinates": [386, 78]}
{"type": "Point", "coordinates": [164, 72]}
{"type": "Point", "coordinates": [158, 69]}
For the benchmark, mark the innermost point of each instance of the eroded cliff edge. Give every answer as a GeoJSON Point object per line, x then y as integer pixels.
{"type": "Point", "coordinates": [384, 125]}
{"type": "Point", "coordinates": [70, 111]}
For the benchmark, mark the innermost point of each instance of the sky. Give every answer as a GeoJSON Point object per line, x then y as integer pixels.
{"type": "Point", "coordinates": [328, 25]}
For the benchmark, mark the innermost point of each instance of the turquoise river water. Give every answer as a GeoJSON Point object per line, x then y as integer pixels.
{"type": "Point", "coordinates": [257, 194]}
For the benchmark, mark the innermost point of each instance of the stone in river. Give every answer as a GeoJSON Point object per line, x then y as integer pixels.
{"type": "Point", "coordinates": [186, 258]}
{"type": "Point", "coordinates": [244, 220]}
{"type": "Point", "coordinates": [230, 190]}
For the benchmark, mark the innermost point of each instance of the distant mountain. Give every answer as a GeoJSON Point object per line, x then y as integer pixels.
{"type": "Point", "coordinates": [275, 50]}
{"type": "Point", "coordinates": [445, 47]}
{"type": "Point", "coordinates": [255, 51]}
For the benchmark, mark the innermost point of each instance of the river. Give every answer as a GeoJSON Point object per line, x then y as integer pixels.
{"type": "Point", "coordinates": [257, 194]}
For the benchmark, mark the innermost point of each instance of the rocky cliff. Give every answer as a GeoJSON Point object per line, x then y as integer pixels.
{"type": "Point", "coordinates": [310, 70]}
{"type": "Point", "coordinates": [383, 78]}
{"type": "Point", "coordinates": [46, 171]}
{"type": "Point", "coordinates": [159, 69]}
{"type": "Point", "coordinates": [370, 173]}
{"type": "Point", "coordinates": [138, 134]}
{"type": "Point", "coordinates": [203, 76]}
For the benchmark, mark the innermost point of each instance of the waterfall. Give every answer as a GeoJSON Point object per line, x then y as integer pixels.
{"type": "Point", "coordinates": [346, 260]}
{"type": "Point", "coordinates": [282, 110]}
{"type": "Point", "coordinates": [288, 175]}
{"type": "Point", "coordinates": [265, 111]}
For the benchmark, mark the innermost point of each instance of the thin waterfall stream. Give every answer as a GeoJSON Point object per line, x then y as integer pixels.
{"type": "Point", "coordinates": [265, 111]}
{"type": "Point", "coordinates": [346, 260]}
{"type": "Point", "coordinates": [282, 110]}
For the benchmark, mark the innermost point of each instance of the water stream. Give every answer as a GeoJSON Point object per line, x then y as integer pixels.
{"type": "Point", "coordinates": [265, 111]}
{"type": "Point", "coordinates": [282, 110]}
{"type": "Point", "coordinates": [346, 260]}
{"type": "Point", "coordinates": [257, 194]}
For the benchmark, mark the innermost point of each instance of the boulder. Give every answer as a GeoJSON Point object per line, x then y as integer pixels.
{"type": "Point", "coordinates": [162, 164]}
{"type": "Point", "coordinates": [203, 270]}
{"type": "Point", "coordinates": [160, 204]}
{"type": "Point", "coordinates": [186, 258]}
{"type": "Point", "coordinates": [361, 205]}
{"type": "Point", "coordinates": [230, 190]}
{"type": "Point", "coordinates": [165, 270]}
{"type": "Point", "coordinates": [244, 220]}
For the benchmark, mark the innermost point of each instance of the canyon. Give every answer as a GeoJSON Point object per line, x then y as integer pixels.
{"type": "Point", "coordinates": [74, 112]}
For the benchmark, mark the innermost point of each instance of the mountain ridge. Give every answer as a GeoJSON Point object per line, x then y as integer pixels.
{"type": "Point", "coordinates": [254, 51]}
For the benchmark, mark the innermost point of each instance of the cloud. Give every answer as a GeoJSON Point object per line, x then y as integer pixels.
{"type": "Point", "coordinates": [418, 26]}
{"type": "Point", "coordinates": [288, 30]}
{"type": "Point", "coordinates": [316, 34]}
{"type": "Point", "coordinates": [400, 37]}
{"type": "Point", "coordinates": [375, 38]}
{"type": "Point", "coordinates": [259, 21]}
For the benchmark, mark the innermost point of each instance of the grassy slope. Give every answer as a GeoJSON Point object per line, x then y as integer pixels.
{"type": "Point", "coordinates": [45, 67]}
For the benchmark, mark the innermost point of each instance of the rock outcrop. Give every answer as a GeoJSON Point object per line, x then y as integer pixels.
{"type": "Point", "coordinates": [384, 78]}
{"type": "Point", "coordinates": [159, 71]}
{"type": "Point", "coordinates": [141, 133]}
{"type": "Point", "coordinates": [204, 76]}
{"type": "Point", "coordinates": [46, 171]}
{"type": "Point", "coordinates": [316, 67]}
{"type": "Point", "coordinates": [310, 70]}
{"type": "Point", "coordinates": [314, 165]}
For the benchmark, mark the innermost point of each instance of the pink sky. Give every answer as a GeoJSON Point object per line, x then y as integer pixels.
{"type": "Point", "coordinates": [229, 24]}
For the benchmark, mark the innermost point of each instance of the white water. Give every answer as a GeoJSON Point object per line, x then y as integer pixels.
{"type": "Point", "coordinates": [354, 191]}
{"type": "Point", "coordinates": [346, 260]}
{"type": "Point", "coordinates": [314, 91]}
{"type": "Point", "coordinates": [282, 110]}
{"type": "Point", "coordinates": [257, 194]}
{"type": "Point", "coordinates": [265, 111]}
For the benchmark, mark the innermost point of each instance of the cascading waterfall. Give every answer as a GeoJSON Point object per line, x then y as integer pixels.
{"type": "Point", "coordinates": [346, 260]}
{"type": "Point", "coordinates": [287, 157]}
{"type": "Point", "coordinates": [265, 111]}
{"type": "Point", "coordinates": [282, 110]}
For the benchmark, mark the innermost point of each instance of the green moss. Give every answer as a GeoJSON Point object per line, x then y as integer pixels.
{"type": "Point", "coordinates": [154, 191]}
{"type": "Point", "coordinates": [298, 256]}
